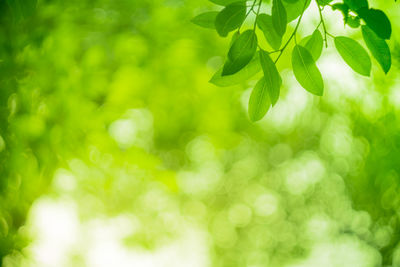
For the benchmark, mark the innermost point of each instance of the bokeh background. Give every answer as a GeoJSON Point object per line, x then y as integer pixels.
{"type": "Point", "coordinates": [115, 150]}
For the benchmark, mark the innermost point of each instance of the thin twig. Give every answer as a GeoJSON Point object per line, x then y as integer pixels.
{"type": "Point", "coordinates": [293, 34]}
{"type": "Point", "coordinates": [323, 24]}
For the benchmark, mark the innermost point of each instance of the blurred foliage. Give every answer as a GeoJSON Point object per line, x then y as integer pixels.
{"type": "Point", "coordinates": [111, 99]}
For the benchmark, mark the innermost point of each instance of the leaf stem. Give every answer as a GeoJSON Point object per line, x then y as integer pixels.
{"type": "Point", "coordinates": [323, 23]}
{"type": "Point", "coordinates": [293, 33]}
{"type": "Point", "coordinates": [258, 12]}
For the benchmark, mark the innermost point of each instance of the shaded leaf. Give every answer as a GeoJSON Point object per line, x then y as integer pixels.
{"type": "Point", "coordinates": [378, 47]}
{"type": "Point", "coordinates": [376, 21]}
{"type": "Point", "coordinates": [241, 52]}
{"type": "Point", "coordinates": [230, 18]}
{"type": "Point", "coordinates": [356, 4]}
{"type": "Point", "coordinates": [353, 22]}
{"type": "Point", "coordinates": [241, 76]}
{"type": "Point", "coordinates": [279, 17]}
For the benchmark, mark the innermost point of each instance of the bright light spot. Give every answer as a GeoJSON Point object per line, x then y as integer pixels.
{"type": "Point", "coordinates": [266, 205]}
{"type": "Point", "coordinates": [135, 128]}
{"type": "Point", "coordinates": [55, 225]}
{"type": "Point", "coordinates": [304, 173]}
{"type": "Point", "coordinates": [60, 235]}
{"type": "Point", "coordinates": [346, 251]}
{"type": "Point", "coordinates": [203, 181]}
{"type": "Point", "coordinates": [320, 227]}
{"type": "Point", "coordinates": [64, 180]}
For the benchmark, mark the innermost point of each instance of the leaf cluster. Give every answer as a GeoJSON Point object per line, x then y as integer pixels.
{"type": "Point", "coordinates": [246, 57]}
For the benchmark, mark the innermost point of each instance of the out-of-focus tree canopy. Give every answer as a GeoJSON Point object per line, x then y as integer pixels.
{"type": "Point", "coordinates": [110, 129]}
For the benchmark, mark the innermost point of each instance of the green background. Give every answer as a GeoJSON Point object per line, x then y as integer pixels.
{"type": "Point", "coordinates": [107, 121]}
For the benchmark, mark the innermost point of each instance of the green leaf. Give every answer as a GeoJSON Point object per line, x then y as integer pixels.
{"type": "Point", "coordinates": [378, 47]}
{"type": "Point", "coordinates": [306, 72]}
{"type": "Point", "coordinates": [206, 20]}
{"type": "Point", "coordinates": [259, 102]}
{"type": "Point", "coordinates": [241, 76]}
{"type": "Point", "coordinates": [376, 21]}
{"type": "Point", "coordinates": [354, 55]}
{"type": "Point", "coordinates": [279, 17]}
{"type": "Point", "coordinates": [230, 18]}
{"type": "Point", "coordinates": [324, 2]}
{"type": "Point", "coordinates": [264, 22]}
{"type": "Point", "coordinates": [272, 78]}
{"type": "Point", "coordinates": [241, 52]}
{"type": "Point", "coordinates": [293, 11]}
{"type": "Point", "coordinates": [314, 44]}
{"type": "Point", "coordinates": [291, 1]}
{"type": "Point", "coordinates": [353, 22]}
{"type": "Point", "coordinates": [343, 8]}
{"type": "Point", "coordinates": [356, 4]}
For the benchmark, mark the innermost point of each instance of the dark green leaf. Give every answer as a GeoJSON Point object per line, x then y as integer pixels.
{"type": "Point", "coordinates": [324, 2]}
{"type": "Point", "coordinates": [264, 22]}
{"type": "Point", "coordinates": [240, 53]}
{"type": "Point", "coordinates": [241, 76]}
{"type": "Point", "coordinates": [206, 20]}
{"type": "Point", "coordinates": [272, 78]}
{"type": "Point", "coordinates": [354, 55]}
{"type": "Point", "coordinates": [314, 44]}
{"type": "Point", "coordinates": [230, 18]}
{"type": "Point", "coordinates": [343, 8]}
{"type": "Point", "coordinates": [352, 21]}
{"type": "Point", "coordinates": [279, 17]}
{"type": "Point", "coordinates": [259, 102]}
{"type": "Point", "coordinates": [306, 72]}
{"type": "Point", "coordinates": [356, 4]}
{"type": "Point", "coordinates": [376, 21]}
{"type": "Point", "coordinates": [378, 47]}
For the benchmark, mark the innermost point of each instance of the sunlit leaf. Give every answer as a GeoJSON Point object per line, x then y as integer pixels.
{"type": "Point", "coordinates": [314, 44]}
{"type": "Point", "coordinates": [259, 102]}
{"type": "Point", "coordinates": [206, 20]}
{"type": "Point", "coordinates": [294, 10]}
{"type": "Point", "coordinates": [306, 71]}
{"type": "Point", "coordinates": [272, 78]}
{"type": "Point", "coordinates": [354, 55]}
{"type": "Point", "coordinates": [264, 22]}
